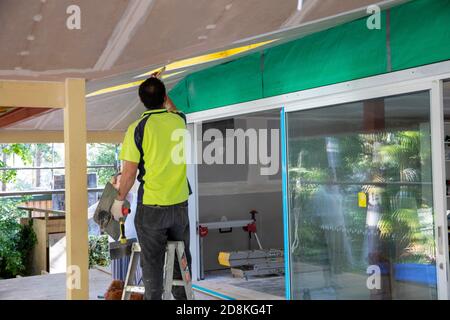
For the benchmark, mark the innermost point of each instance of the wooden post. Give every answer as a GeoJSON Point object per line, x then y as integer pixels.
{"type": "Point", "coordinates": [77, 276]}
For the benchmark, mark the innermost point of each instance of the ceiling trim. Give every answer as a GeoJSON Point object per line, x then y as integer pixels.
{"type": "Point", "coordinates": [135, 14]}
{"type": "Point", "coordinates": [295, 18]}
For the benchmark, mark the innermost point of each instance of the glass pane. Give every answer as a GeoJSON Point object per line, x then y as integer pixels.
{"type": "Point", "coordinates": [361, 201]}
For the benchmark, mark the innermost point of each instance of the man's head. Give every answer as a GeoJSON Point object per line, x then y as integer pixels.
{"type": "Point", "coordinates": [152, 93]}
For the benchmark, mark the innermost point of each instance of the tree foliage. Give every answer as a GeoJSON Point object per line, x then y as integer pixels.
{"type": "Point", "coordinates": [16, 240]}
{"type": "Point", "coordinates": [103, 154]}
{"type": "Point", "coordinates": [99, 251]}
{"type": "Point", "coordinates": [21, 150]}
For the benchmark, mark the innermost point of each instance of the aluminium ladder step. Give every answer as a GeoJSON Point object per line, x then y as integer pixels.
{"type": "Point", "coordinates": [173, 248]}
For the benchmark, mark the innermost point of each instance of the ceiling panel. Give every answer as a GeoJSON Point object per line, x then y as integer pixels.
{"type": "Point", "coordinates": [168, 31]}
{"type": "Point", "coordinates": [175, 29]}
{"type": "Point", "coordinates": [55, 47]}
{"type": "Point", "coordinates": [39, 45]}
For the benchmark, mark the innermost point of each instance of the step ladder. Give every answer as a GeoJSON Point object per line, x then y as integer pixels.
{"type": "Point", "coordinates": [173, 248]}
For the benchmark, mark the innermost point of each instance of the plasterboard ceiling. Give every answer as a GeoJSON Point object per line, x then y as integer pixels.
{"type": "Point", "coordinates": [119, 39]}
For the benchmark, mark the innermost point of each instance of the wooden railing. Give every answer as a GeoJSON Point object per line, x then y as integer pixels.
{"type": "Point", "coordinates": [47, 213]}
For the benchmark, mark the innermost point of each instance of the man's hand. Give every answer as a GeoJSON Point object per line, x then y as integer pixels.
{"type": "Point", "coordinates": [158, 73]}
{"type": "Point", "coordinates": [116, 209]}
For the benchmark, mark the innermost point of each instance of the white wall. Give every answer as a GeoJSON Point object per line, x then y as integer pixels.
{"type": "Point", "coordinates": [233, 191]}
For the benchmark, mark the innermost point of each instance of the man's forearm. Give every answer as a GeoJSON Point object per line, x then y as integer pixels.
{"type": "Point", "coordinates": [127, 179]}
{"type": "Point", "coordinates": [126, 183]}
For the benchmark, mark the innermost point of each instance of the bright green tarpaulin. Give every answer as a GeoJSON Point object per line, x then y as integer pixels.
{"type": "Point", "coordinates": [179, 96]}
{"type": "Point", "coordinates": [233, 82]}
{"type": "Point", "coordinates": [347, 52]}
{"type": "Point", "coordinates": [420, 33]}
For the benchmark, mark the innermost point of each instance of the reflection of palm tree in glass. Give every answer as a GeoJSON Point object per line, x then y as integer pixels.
{"type": "Point", "coordinates": [399, 165]}
{"type": "Point", "coordinates": [393, 230]}
{"type": "Point", "coordinates": [409, 156]}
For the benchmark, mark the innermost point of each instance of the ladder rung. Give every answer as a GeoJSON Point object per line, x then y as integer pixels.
{"type": "Point", "coordinates": [172, 249]}
{"type": "Point", "coordinates": [135, 289]}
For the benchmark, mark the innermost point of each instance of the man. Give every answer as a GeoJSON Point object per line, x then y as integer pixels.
{"type": "Point", "coordinates": [162, 211]}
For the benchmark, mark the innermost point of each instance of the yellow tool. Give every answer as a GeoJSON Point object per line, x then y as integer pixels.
{"type": "Point", "coordinates": [122, 246]}
{"type": "Point", "coordinates": [125, 212]}
{"type": "Point", "coordinates": [158, 73]}
{"type": "Point", "coordinates": [123, 238]}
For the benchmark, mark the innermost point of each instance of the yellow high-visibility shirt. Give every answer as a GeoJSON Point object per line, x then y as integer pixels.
{"type": "Point", "coordinates": [149, 142]}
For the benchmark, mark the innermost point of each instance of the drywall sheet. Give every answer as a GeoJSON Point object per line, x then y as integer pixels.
{"type": "Point", "coordinates": [233, 82]}
{"type": "Point", "coordinates": [347, 52]}
{"type": "Point", "coordinates": [420, 33]}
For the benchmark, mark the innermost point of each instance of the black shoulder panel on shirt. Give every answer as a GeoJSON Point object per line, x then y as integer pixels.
{"type": "Point", "coordinates": [138, 139]}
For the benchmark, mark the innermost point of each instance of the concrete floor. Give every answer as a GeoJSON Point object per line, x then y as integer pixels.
{"type": "Point", "coordinates": [52, 287]}
{"type": "Point", "coordinates": [255, 288]}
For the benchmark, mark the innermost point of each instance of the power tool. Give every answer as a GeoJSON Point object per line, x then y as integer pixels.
{"type": "Point", "coordinates": [116, 229]}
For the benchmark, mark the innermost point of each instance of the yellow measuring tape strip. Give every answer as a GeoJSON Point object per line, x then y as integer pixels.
{"type": "Point", "coordinates": [180, 65]}
{"type": "Point", "coordinates": [207, 58]}
{"type": "Point", "coordinates": [125, 86]}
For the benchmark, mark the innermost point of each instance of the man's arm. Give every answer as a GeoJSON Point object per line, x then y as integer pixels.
{"type": "Point", "coordinates": [126, 183]}
{"type": "Point", "coordinates": [169, 105]}
{"type": "Point", "coordinates": [127, 180]}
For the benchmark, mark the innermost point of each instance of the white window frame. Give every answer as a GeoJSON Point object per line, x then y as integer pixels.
{"type": "Point", "coordinates": [426, 78]}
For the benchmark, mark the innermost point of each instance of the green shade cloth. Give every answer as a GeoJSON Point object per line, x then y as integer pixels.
{"type": "Point", "coordinates": [347, 52]}
{"type": "Point", "coordinates": [233, 82]}
{"type": "Point", "coordinates": [419, 34]}
{"type": "Point", "coordinates": [179, 96]}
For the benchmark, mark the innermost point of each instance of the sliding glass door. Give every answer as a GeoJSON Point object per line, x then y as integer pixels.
{"type": "Point", "coordinates": [360, 197]}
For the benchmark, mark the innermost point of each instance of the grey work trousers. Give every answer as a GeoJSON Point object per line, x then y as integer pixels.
{"type": "Point", "coordinates": [155, 226]}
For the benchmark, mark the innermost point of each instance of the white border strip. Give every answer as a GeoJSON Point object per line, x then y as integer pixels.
{"type": "Point", "coordinates": [439, 198]}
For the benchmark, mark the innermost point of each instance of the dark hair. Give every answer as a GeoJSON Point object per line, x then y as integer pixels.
{"type": "Point", "coordinates": [152, 93]}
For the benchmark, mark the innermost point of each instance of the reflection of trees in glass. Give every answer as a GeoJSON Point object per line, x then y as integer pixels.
{"type": "Point", "coordinates": [407, 223]}
{"type": "Point", "coordinates": [397, 162]}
